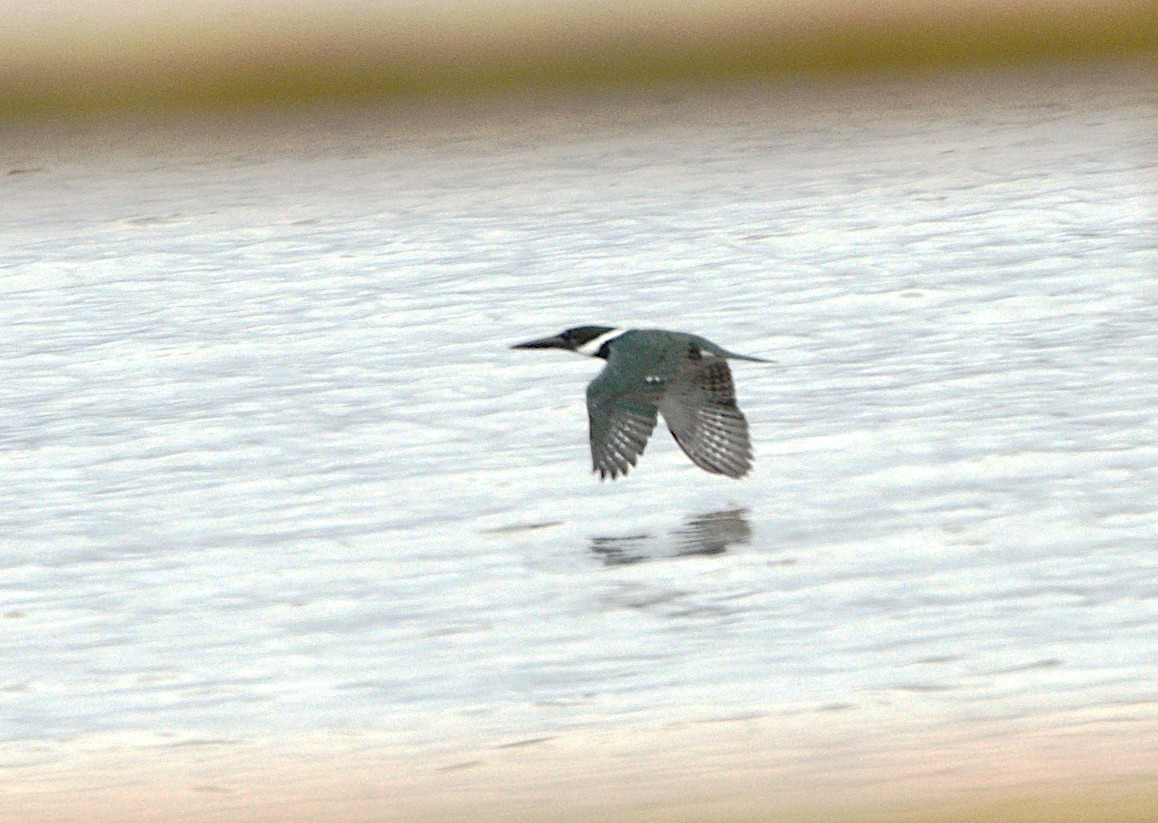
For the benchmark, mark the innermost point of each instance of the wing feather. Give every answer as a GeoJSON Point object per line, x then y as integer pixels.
{"type": "Point", "coordinates": [622, 418]}
{"type": "Point", "coordinates": [619, 434]}
{"type": "Point", "coordinates": [700, 410]}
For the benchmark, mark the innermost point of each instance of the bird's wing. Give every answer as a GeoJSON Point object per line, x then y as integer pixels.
{"type": "Point", "coordinates": [700, 409]}
{"type": "Point", "coordinates": [622, 417]}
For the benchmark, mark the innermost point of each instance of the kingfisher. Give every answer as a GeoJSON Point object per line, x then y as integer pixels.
{"type": "Point", "coordinates": [681, 376]}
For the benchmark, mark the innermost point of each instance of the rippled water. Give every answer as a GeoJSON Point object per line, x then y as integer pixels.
{"type": "Point", "coordinates": [276, 491]}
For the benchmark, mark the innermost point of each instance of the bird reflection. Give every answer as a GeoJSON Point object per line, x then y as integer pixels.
{"type": "Point", "coordinates": [701, 534]}
{"type": "Point", "coordinates": [712, 533]}
{"type": "Point", "coordinates": [621, 551]}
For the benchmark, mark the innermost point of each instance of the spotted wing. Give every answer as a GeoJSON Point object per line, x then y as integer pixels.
{"type": "Point", "coordinates": [700, 410]}
{"type": "Point", "coordinates": [622, 419]}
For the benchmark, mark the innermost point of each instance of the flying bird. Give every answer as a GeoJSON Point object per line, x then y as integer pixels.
{"type": "Point", "coordinates": [681, 376]}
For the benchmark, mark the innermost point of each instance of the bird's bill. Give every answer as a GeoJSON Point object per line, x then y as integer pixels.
{"type": "Point", "coordinates": [553, 342]}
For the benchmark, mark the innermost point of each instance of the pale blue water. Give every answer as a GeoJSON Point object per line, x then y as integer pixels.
{"type": "Point", "coordinates": [271, 471]}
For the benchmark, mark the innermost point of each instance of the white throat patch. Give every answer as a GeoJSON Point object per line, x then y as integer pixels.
{"type": "Point", "coordinates": [591, 347]}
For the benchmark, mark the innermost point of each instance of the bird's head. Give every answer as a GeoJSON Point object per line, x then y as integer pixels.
{"type": "Point", "coordinates": [588, 340]}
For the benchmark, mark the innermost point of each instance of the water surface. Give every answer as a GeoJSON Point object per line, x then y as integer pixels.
{"type": "Point", "coordinates": [288, 529]}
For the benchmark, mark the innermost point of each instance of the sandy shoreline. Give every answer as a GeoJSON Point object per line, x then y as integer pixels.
{"type": "Point", "coordinates": [728, 770]}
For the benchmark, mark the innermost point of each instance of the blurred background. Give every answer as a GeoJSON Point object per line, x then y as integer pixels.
{"type": "Point", "coordinates": [77, 55]}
